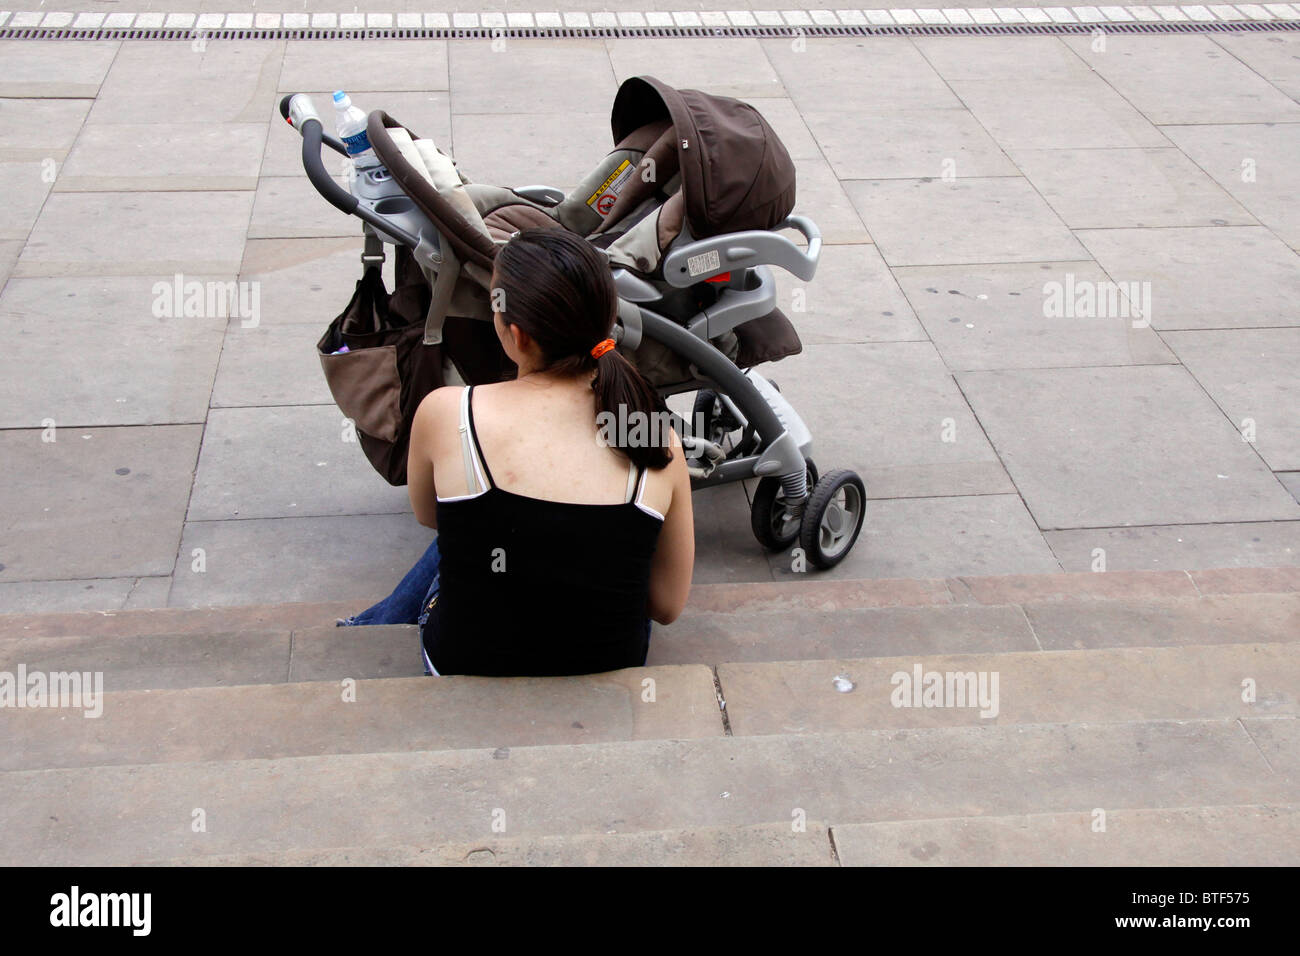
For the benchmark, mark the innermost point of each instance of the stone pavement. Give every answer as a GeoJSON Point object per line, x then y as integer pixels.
{"type": "Point", "coordinates": [966, 187]}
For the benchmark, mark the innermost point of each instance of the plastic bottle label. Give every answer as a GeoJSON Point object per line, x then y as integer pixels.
{"type": "Point", "coordinates": [356, 143]}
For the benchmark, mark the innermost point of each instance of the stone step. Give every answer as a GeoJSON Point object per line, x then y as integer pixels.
{"type": "Point", "coordinates": [127, 814]}
{"type": "Point", "coordinates": [1092, 686]}
{"type": "Point", "coordinates": [813, 593]}
{"type": "Point", "coordinates": [223, 658]}
{"type": "Point", "coordinates": [367, 716]}
{"type": "Point", "coordinates": [775, 635]}
{"type": "Point", "coordinates": [158, 659]}
{"type": "Point", "coordinates": [769, 844]}
{"type": "Point", "coordinates": [672, 701]}
{"type": "Point", "coordinates": [1195, 836]}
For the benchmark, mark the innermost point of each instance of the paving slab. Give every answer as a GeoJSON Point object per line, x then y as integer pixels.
{"type": "Point", "coordinates": [724, 67]}
{"type": "Point", "coordinates": [541, 151]}
{"type": "Point", "coordinates": [725, 549]}
{"type": "Point", "coordinates": [853, 72]}
{"type": "Point", "coordinates": [363, 65]}
{"type": "Point", "coordinates": [1186, 79]}
{"type": "Point", "coordinates": [25, 184]}
{"type": "Point", "coordinates": [289, 207]}
{"type": "Point", "coordinates": [906, 144]}
{"type": "Point", "coordinates": [1251, 375]}
{"type": "Point", "coordinates": [270, 365]}
{"type": "Point", "coordinates": [151, 662]}
{"type": "Point", "coordinates": [1256, 163]}
{"type": "Point", "coordinates": [94, 499]}
{"type": "Point", "coordinates": [1198, 837]}
{"type": "Point", "coordinates": [941, 537]}
{"type": "Point", "coordinates": [1255, 544]}
{"type": "Point", "coordinates": [1067, 438]}
{"type": "Point", "coordinates": [370, 716]}
{"type": "Point", "coordinates": [1001, 220]}
{"type": "Point", "coordinates": [1023, 60]}
{"type": "Point", "coordinates": [1094, 686]}
{"type": "Point", "coordinates": [1279, 741]}
{"type": "Point", "coordinates": [781, 635]}
{"type": "Point", "coordinates": [854, 298]}
{"type": "Point", "coordinates": [1099, 188]}
{"type": "Point", "coordinates": [1216, 619]}
{"type": "Point", "coordinates": [823, 199]}
{"type": "Point", "coordinates": [10, 249]}
{"type": "Point", "coordinates": [30, 597]}
{"type": "Point", "coordinates": [305, 281]}
{"type": "Point", "coordinates": [427, 113]}
{"type": "Point", "coordinates": [125, 814]}
{"type": "Point", "coordinates": [1272, 55]}
{"type": "Point", "coordinates": [93, 328]}
{"type": "Point", "coordinates": [906, 414]}
{"type": "Point", "coordinates": [996, 316]}
{"type": "Point", "coordinates": [162, 81]}
{"type": "Point", "coordinates": [137, 233]}
{"type": "Point", "coordinates": [39, 129]}
{"type": "Point", "coordinates": [526, 77]}
{"type": "Point", "coordinates": [56, 70]}
{"type": "Point", "coordinates": [1080, 112]}
{"type": "Point", "coordinates": [357, 558]}
{"type": "Point", "coordinates": [1291, 481]}
{"type": "Point", "coordinates": [774, 844]}
{"type": "Point", "coordinates": [174, 156]}
{"type": "Point", "coordinates": [1204, 278]}
{"type": "Point", "coordinates": [286, 462]}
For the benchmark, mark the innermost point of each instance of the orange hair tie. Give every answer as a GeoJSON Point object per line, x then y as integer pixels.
{"type": "Point", "coordinates": [602, 348]}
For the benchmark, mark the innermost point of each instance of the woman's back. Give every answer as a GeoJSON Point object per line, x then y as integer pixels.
{"type": "Point", "coordinates": [562, 532]}
{"type": "Point", "coordinates": [541, 440]}
{"type": "Point", "coordinates": [547, 540]}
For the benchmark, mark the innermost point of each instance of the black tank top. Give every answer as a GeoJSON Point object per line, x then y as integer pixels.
{"type": "Point", "coordinates": [530, 587]}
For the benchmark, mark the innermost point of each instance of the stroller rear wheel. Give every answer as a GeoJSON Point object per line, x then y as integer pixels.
{"type": "Point", "coordinates": [833, 518]}
{"type": "Point", "coordinates": [773, 524]}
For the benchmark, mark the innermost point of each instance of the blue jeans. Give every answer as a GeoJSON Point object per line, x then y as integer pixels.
{"type": "Point", "coordinates": [406, 604]}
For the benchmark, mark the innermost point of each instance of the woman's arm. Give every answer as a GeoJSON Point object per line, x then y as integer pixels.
{"type": "Point", "coordinates": [674, 560]}
{"type": "Point", "coordinates": [427, 423]}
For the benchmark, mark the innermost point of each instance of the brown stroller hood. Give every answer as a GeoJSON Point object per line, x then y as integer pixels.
{"type": "Point", "coordinates": [736, 174]}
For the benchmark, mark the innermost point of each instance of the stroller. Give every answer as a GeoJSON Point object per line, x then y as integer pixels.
{"type": "Point", "coordinates": [688, 208]}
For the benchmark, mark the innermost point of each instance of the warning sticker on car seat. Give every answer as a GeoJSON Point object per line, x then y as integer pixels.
{"type": "Point", "coordinates": [705, 262]}
{"type": "Point", "coordinates": [602, 200]}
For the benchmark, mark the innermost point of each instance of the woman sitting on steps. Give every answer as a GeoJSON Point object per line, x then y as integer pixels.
{"type": "Point", "coordinates": [558, 540]}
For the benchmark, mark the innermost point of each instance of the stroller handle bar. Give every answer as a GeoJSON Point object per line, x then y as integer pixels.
{"type": "Point", "coordinates": [300, 112]}
{"type": "Point", "coordinates": [685, 265]}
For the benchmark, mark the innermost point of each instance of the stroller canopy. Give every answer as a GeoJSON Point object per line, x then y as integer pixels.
{"type": "Point", "coordinates": [736, 173]}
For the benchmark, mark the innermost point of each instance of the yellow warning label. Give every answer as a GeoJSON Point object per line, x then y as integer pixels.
{"type": "Point", "coordinates": [603, 198]}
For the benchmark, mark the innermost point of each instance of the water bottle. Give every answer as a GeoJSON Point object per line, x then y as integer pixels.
{"type": "Point", "coordinates": [350, 123]}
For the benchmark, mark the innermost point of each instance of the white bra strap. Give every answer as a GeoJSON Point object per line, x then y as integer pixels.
{"type": "Point", "coordinates": [640, 487]}
{"type": "Point", "coordinates": [631, 482]}
{"type": "Point", "coordinates": [474, 482]}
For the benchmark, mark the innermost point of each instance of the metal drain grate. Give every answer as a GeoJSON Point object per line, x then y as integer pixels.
{"type": "Point", "coordinates": [613, 33]}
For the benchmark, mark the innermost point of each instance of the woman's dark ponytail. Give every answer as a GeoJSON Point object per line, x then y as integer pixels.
{"type": "Point", "coordinates": [556, 287]}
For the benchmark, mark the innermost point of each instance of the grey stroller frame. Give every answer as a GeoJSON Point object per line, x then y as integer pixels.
{"type": "Point", "coordinates": [792, 504]}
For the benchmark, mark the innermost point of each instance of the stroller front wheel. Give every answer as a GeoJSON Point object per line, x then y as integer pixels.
{"type": "Point", "coordinates": [770, 518]}
{"type": "Point", "coordinates": [833, 518]}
